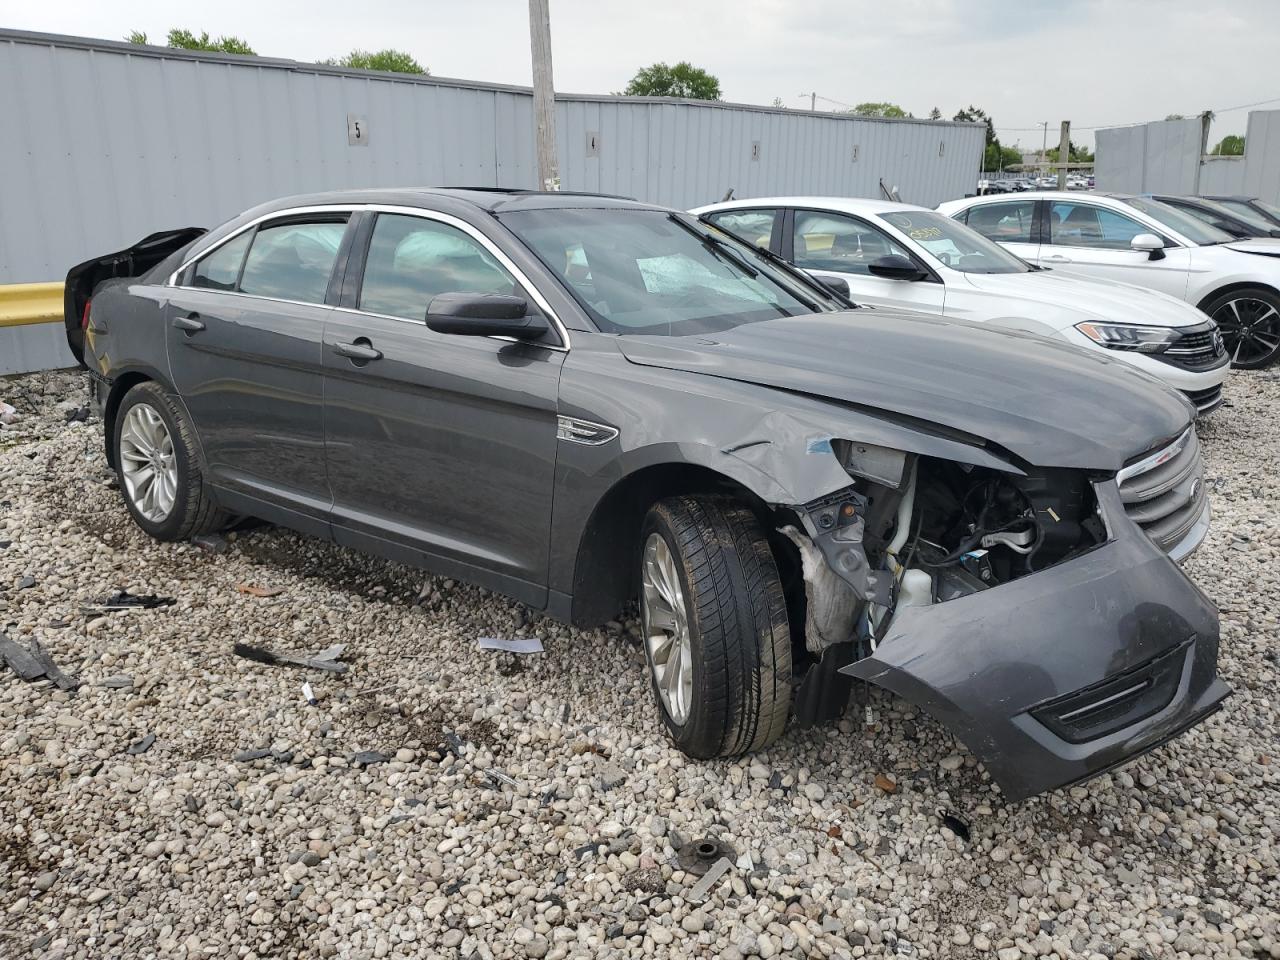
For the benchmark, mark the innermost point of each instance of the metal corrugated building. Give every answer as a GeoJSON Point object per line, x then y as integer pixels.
{"type": "Point", "coordinates": [106, 142]}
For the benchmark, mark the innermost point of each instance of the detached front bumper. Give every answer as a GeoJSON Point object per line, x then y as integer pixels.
{"type": "Point", "coordinates": [1061, 675]}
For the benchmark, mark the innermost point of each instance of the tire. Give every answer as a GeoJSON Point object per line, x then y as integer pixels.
{"type": "Point", "coordinates": [1249, 318]}
{"type": "Point", "coordinates": [181, 508]}
{"type": "Point", "coordinates": [734, 619]}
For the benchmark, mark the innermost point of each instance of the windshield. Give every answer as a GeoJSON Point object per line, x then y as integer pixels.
{"type": "Point", "coordinates": [1270, 208]}
{"type": "Point", "coordinates": [955, 245]}
{"type": "Point", "coordinates": [1197, 231]}
{"type": "Point", "coordinates": [1241, 211]}
{"type": "Point", "coordinates": [660, 274]}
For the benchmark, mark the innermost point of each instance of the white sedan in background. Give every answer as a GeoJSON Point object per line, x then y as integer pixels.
{"type": "Point", "coordinates": [1145, 242]}
{"type": "Point", "coordinates": [898, 255]}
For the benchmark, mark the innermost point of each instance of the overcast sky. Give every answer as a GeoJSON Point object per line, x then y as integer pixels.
{"type": "Point", "coordinates": [1094, 62]}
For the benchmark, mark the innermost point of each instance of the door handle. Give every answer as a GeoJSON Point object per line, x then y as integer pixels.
{"type": "Point", "coordinates": [190, 324]}
{"type": "Point", "coordinates": [361, 351]}
{"type": "Point", "coordinates": [1055, 258]}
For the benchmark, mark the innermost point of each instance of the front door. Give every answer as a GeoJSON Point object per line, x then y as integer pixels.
{"type": "Point", "coordinates": [1093, 241]}
{"type": "Point", "coordinates": [244, 333]}
{"type": "Point", "coordinates": [440, 447]}
{"type": "Point", "coordinates": [829, 244]}
{"type": "Point", "coordinates": [1011, 223]}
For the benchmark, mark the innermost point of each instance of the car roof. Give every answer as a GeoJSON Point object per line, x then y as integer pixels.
{"type": "Point", "coordinates": [840, 204]}
{"type": "Point", "coordinates": [491, 199]}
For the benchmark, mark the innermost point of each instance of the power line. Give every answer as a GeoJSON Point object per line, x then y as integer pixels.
{"type": "Point", "coordinates": [1103, 126]}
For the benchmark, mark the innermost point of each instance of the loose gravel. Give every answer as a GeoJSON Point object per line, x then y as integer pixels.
{"type": "Point", "coordinates": [438, 800]}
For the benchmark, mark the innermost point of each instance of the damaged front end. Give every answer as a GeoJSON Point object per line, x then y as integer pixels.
{"type": "Point", "coordinates": [1039, 614]}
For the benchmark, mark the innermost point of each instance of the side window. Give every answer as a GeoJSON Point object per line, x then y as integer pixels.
{"type": "Point", "coordinates": [412, 259]}
{"type": "Point", "coordinates": [292, 261]}
{"type": "Point", "coordinates": [753, 226]}
{"type": "Point", "coordinates": [221, 269]}
{"type": "Point", "coordinates": [831, 241]}
{"type": "Point", "coordinates": [1005, 222]}
{"type": "Point", "coordinates": [1083, 225]}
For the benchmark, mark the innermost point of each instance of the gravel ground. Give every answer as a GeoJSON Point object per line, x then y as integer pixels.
{"type": "Point", "coordinates": [528, 806]}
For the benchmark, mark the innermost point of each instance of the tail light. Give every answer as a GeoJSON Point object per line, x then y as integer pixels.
{"type": "Point", "coordinates": [84, 317]}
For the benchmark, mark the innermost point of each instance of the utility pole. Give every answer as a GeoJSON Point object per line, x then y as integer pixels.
{"type": "Point", "coordinates": [1044, 145]}
{"type": "Point", "coordinates": [1064, 154]}
{"type": "Point", "coordinates": [813, 100]}
{"type": "Point", "coordinates": [544, 95]}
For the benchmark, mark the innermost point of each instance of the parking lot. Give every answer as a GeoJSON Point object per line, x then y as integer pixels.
{"type": "Point", "coordinates": [442, 800]}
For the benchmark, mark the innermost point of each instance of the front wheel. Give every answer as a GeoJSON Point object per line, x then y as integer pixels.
{"type": "Point", "coordinates": [717, 639]}
{"type": "Point", "coordinates": [1249, 319]}
{"type": "Point", "coordinates": [157, 466]}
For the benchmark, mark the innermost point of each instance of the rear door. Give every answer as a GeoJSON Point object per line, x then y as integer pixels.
{"type": "Point", "coordinates": [244, 333]}
{"type": "Point", "coordinates": [440, 447]}
{"type": "Point", "coordinates": [829, 244]}
{"type": "Point", "coordinates": [1012, 223]}
{"type": "Point", "coordinates": [1093, 241]}
{"type": "Point", "coordinates": [759, 226]}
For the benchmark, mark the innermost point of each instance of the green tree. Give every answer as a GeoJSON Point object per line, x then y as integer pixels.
{"type": "Point", "coordinates": [972, 114]}
{"type": "Point", "coordinates": [391, 61]}
{"type": "Point", "coordinates": [935, 114]}
{"type": "Point", "coordinates": [683, 80]}
{"type": "Point", "coordinates": [181, 39]}
{"type": "Point", "coordinates": [1231, 145]}
{"type": "Point", "coordinates": [1175, 116]}
{"type": "Point", "coordinates": [1075, 154]}
{"type": "Point", "coordinates": [891, 110]}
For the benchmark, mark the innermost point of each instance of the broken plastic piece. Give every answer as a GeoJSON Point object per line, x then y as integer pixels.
{"type": "Point", "coordinates": [709, 879]}
{"type": "Point", "coordinates": [513, 645]}
{"type": "Point", "coordinates": [324, 660]}
{"type": "Point", "coordinates": [496, 775]}
{"type": "Point", "coordinates": [367, 758]}
{"type": "Point", "coordinates": [31, 665]}
{"type": "Point", "coordinates": [7, 413]}
{"type": "Point", "coordinates": [124, 600]}
{"type": "Point", "coordinates": [141, 746]}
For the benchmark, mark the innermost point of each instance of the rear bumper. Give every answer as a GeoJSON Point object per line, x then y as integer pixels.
{"type": "Point", "coordinates": [1062, 675]}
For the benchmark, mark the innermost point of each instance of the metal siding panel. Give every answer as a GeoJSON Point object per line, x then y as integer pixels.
{"type": "Point", "coordinates": [38, 346]}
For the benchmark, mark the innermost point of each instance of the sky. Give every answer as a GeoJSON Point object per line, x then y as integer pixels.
{"type": "Point", "coordinates": [1094, 62]}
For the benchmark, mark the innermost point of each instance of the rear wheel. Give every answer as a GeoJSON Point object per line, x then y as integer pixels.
{"type": "Point", "coordinates": [1249, 319]}
{"type": "Point", "coordinates": [715, 625]}
{"type": "Point", "coordinates": [158, 469]}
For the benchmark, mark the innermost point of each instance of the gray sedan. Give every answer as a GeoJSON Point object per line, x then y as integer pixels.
{"type": "Point", "coordinates": [584, 401]}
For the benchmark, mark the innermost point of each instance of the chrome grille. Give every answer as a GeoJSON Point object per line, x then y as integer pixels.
{"type": "Point", "coordinates": [1164, 492]}
{"type": "Point", "coordinates": [1199, 346]}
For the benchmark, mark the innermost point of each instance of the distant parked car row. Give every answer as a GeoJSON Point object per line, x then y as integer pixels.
{"type": "Point", "coordinates": [1150, 243]}
{"type": "Point", "coordinates": [1023, 184]}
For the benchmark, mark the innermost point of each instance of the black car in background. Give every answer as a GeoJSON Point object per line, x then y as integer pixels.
{"type": "Point", "coordinates": [584, 402]}
{"type": "Point", "coordinates": [1241, 224]}
{"type": "Point", "coordinates": [1259, 212]}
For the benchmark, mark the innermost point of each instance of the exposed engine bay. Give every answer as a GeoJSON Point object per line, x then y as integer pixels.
{"type": "Point", "coordinates": [913, 531]}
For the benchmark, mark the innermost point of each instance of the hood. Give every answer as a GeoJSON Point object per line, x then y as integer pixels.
{"type": "Point", "coordinates": [1085, 298]}
{"type": "Point", "coordinates": [1048, 403]}
{"type": "Point", "coordinates": [1263, 246]}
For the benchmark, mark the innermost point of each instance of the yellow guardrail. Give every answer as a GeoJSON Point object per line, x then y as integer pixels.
{"type": "Point", "coordinates": [26, 303]}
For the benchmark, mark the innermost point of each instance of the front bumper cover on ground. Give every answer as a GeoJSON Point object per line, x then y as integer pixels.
{"type": "Point", "coordinates": [1059, 676]}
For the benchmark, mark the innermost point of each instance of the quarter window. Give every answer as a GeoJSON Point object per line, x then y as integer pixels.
{"type": "Point", "coordinates": [753, 226]}
{"type": "Point", "coordinates": [830, 241]}
{"type": "Point", "coordinates": [1005, 222]}
{"type": "Point", "coordinates": [412, 260]}
{"type": "Point", "coordinates": [221, 269]}
{"type": "Point", "coordinates": [1084, 225]}
{"type": "Point", "coordinates": [293, 261]}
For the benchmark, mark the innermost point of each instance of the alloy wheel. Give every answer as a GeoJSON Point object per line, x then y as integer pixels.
{"type": "Point", "coordinates": [1250, 329]}
{"type": "Point", "coordinates": [666, 628]}
{"type": "Point", "coordinates": [147, 463]}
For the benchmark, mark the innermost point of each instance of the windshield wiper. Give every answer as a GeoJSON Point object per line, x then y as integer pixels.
{"type": "Point", "coordinates": [717, 247]}
{"type": "Point", "coordinates": [764, 253]}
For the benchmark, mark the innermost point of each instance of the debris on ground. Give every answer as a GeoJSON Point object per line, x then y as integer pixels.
{"type": "Point", "coordinates": [77, 415]}
{"type": "Point", "coordinates": [498, 777]}
{"type": "Point", "coordinates": [955, 825]}
{"type": "Point", "coordinates": [324, 660]}
{"type": "Point", "coordinates": [119, 682]}
{"type": "Point", "coordinates": [34, 663]}
{"type": "Point", "coordinates": [27, 582]}
{"type": "Point", "coordinates": [210, 542]}
{"type": "Point", "coordinates": [124, 600]}
{"type": "Point", "coordinates": [710, 878]}
{"type": "Point", "coordinates": [512, 645]}
{"type": "Point", "coordinates": [255, 591]}
{"type": "Point", "coordinates": [141, 746]}
{"type": "Point", "coordinates": [697, 856]}
{"type": "Point", "coordinates": [367, 758]}
{"type": "Point", "coordinates": [7, 413]}
{"type": "Point", "coordinates": [248, 756]}
{"type": "Point", "coordinates": [309, 695]}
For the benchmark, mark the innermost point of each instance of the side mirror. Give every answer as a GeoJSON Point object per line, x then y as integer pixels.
{"type": "Point", "coordinates": [1149, 244]}
{"type": "Point", "coordinates": [484, 315]}
{"type": "Point", "coordinates": [895, 267]}
{"type": "Point", "coordinates": [837, 285]}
